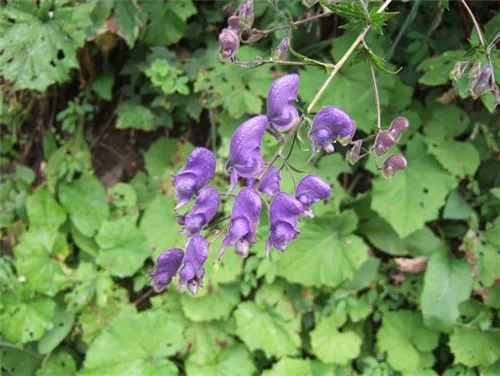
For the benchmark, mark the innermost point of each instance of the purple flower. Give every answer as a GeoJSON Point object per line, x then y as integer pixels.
{"type": "Point", "coordinates": [330, 125]}
{"type": "Point", "coordinates": [383, 143]}
{"type": "Point", "coordinates": [246, 14]}
{"type": "Point", "coordinates": [281, 51]}
{"type": "Point", "coordinates": [244, 222]}
{"type": "Point", "coordinates": [167, 265]}
{"type": "Point", "coordinates": [245, 158]}
{"type": "Point", "coordinates": [399, 126]}
{"type": "Point", "coordinates": [198, 170]}
{"type": "Point", "coordinates": [204, 209]}
{"type": "Point", "coordinates": [270, 183]}
{"type": "Point", "coordinates": [284, 216]}
{"type": "Point", "coordinates": [353, 155]}
{"type": "Point", "coordinates": [393, 164]}
{"type": "Point", "coordinates": [192, 271]}
{"type": "Point", "coordinates": [229, 43]}
{"type": "Point", "coordinates": [281, 111]}
{"type": "Point", "coordinates": [311, 189]}
{"type": "Point", "coordinates": [479, 83]}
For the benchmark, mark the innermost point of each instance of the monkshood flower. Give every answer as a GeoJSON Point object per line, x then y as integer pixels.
{"type": "Point", "coordinates": [479, 84]}
{"type": "Point", "coordinates": [270, 183]}
{"type": "Point", "coordinates": [192, 271]}
{"type": "Point", "coordinates": [245, 158]}
{"type": "Point", "coordinates": [281, 51]}
{"type": "Point", "coordinates": [353, 155]}
{"type": "Point", "coordinates": [281, 111]}
{"type": "Point", "coordinates": [244, 222]}
{"type": "Point", "coordinates": [393, 164]}
{"type": "Point", "coordinates": [311, 189]}
{"type": "Point", "coordinates": [246, 14]}
{"type": "Point", "coordinates": [284, 216]}
{"type": "Point", "coordinates": [198, 171]}
{"type": "Point", "coordinates": [383, 143]}
{"type": "Point", "coordinates": [167, 265]}
{"type": "Point", "coordinates": [330, 125]}
{"type": "Point", "coordinates": [229, 39]}
{"type": "Point", "coordinates": [399, 126]}
{"type": "Point", "coordinates": [204, 209]}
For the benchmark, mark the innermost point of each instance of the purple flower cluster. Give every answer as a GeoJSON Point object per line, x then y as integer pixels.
{"type": "Point", "coordinates": [229, 38]}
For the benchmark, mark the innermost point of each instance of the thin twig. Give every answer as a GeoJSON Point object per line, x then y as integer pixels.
{"type": "Point", "coordinates": [250, 64]}
{"type": "Point", "coordinates": [296, 23]}
{"type": "Point", "coordinates": [143, 297]}
{"type": "Point", "coordinates": [375, 88]}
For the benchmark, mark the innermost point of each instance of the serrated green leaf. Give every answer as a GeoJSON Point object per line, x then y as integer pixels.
{"type": "Point", "coordinates": [415, 195]}
{"type": "Point", "coordinates": [290, 367]}
{"type": "Point", "coordinates": [128, 18]}
{"type": "Point", "coordinates": [456, 207]}
{"type": "Point", "coordinates": [85, 201]}
{"type": "Point", "coordinates": [448, 282]}
{"type": "Point", "coordinates": [326, 252]}
{"type": "Point", "coordinates": [135, 116]}
{"type": "Point", "coordinates": [473, 347]}
{"type": "Point", "coordinates": [135, 344]}
{"type": "Point", "coordinates": [216, 304]}
{"type": "Point", "coordinates": [437, 69]}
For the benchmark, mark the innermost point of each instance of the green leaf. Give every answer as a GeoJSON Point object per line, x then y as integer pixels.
{"type": "Point", "coordinates": [85, 201]}
{"type": "Point", "coordinates": [326, 252]}
{"type": "Point", "coordinates": [62, 322]}
{"type": "Point", "coordinates": [135, 116]}
{"type": "Point", "coordinates": [254, 324]}
{"type": "Point", "coordinates": [24, 318]}
{"type": "Point", "coordinates": [437, 69]}
{"type": "Point", "coordinates": [123, 247]}
{"type": "Point", "coordinates": [234, 361]}
{"type": "Point", "coordinates": [332, 346]}
{"type": "Point", "coordinates": [39, 46]}
{"type": "Point", "coordinates": [456, 207]}
{"type": "Point", "coordinates": [414, 196]}
{"type": "Point", "coordinates": [103, 84]}
{"type": "Point", "coordinates": [447, 283]}
{"type": "Point", "coordinates": [60, 363]}
{"type": "Point", "coordinates": [20, 361]}
{"type": "Point", "coordinates": [290, 367]}
{"type": "Point", "coordinates": [165, 153]}
{"type": "Point", "coordinates": [215, 304]}
{"type": "Point", "coordinates": [406, 340]}
{"type": "Point", "coordinates": [473, 347]}
{"type": "Point", "coordinates": [45, 216]}
{"type": "Point", "coordinates": [129, 18]}
{"type": "Point", "coordinates": [135, 344]}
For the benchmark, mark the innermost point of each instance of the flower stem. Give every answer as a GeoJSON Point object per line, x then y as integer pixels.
{"type": "Point", "coordinates": [296, 23]}
{"type": "Point", "coordinates": [375, 88]}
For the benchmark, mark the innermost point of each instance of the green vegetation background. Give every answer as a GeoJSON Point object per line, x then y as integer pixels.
{"type": "Point", "coordinates": [102, 101]}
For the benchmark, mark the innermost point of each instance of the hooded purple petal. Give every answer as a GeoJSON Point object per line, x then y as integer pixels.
{"type": "Point", "coordinates": [244, 222]}
{"type": "Point", "coordinates": [167, 265]}
{"type": "Point", "coordinates": [198, 170]}
{"type": "Point", "coordinates": [383, 143]}
{"type": "Point", "coordinates": [245, 158]}
{"type": "Point", "coordinates": [310, 190]}
{"type": "Point", "coordinates": [204, 209]}
{"type": "Point", "coordinates": [281, 111]}
{"type": "Point", "coordinates": [270, 183]}
{"type": "Point", "coordinates": [246, 13]}
{"type": "Point", "coordinates": [398, 126]}
{"type": "Point", "coordinates": [393, 164]}
{"type": "Point", "coordinates": [330, 125]}
{"type": "Point", "coordinates": [229, 42]}
{"type": "Point", "coordinates": [284, 216]}
{"type": "Point", "coordinates": [192, 271]}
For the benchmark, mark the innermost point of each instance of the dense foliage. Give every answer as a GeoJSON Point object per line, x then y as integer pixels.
{"type": "Point", "coordinates": [102, 101]}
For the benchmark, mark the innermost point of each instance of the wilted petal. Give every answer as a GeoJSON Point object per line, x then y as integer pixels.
{"type": "Point", "coordinates": [479, 84]}
{"type": "Point", "coordinates": [270, 183]}
{"type": "Point", "coordinates": [330, 125]}
{"type": "Point", "coordinates": [281, 110]}
{"type": "Point", "coordinates": [393, 164]}
{"type": "Point", "coordinates": [281, 51]}
{"type": "Point", "coordinates": [198, 170]}
{"type": "Point", "coordinates": [204, 209]}
{"type": "Point", "coordinates": [192, 271]}
{"type": "Point", "coordinates": [353, 155]}
{"type": "Point", "coordinates": [167, 265]}
{"type": "Point", "coordinates": [245, 158]}
{"type": "Point", "coordinates": [310, 190]}
{"type": "Point", "coordinates": [244, 222]}
{"type": "Point", "coordinates": [383, 143]}
{"type": "Point", "coordinates": [246, 13]}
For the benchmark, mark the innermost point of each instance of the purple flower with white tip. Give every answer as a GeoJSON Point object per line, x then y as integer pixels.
{"type": "Point", "coordinates": [399, 126]}
{"type": "Point", "coordinates": [284, 216]}
{"type": "Point", "coordinates": [198, 171]}
{"type": "Point", "coordinates": [167, 265]}
{"type": "Point", "coordinates": [281, 111]}
{"type": "Point", "coordinates": [204, 209]}
{"type": "Point", "coordinates": [244, 222]}
{"type": "Point", "coordinates": [310, 190]}
{"type": "Point", "coordinates": [245, 158]}
{"type": "Point", "coordinates": [229, 43]}
{"type": "Point", "coordinates": [270, 183]}
{"type": "Point", "coordinates": [330, 125]}
{"type": "Point", "coordinates": [383, 143]}
{"type": "Point", "coordinates": [193, 271]}
{"type": "Point", "coordinates": [393, 164]}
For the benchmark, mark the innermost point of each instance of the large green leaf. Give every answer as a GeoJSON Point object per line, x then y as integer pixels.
{"type": "Point", "coordinates": [123, 247]}
{"type": "Point", "coordinates": [414, 196]}
{"type": "Point", "coordinates": [135, 344]}
{"type": "Point", "coordinates": [135, 116]}
{"type": "Point", "coordinates": [406, 340]}
{"type": "Point", "coordinates": [22, 361]}
{"type": "Point", "coordinates": [325, 253]}
{"type": "Point", "coordinates": [85, 201]}
{"type": "Point", "coordinates": [39, 43]}
{"type": "Point", "coordinates": [437, 69]}
{"type": "Point", "coordinates": [290, 367]}
{"type": "Point", "coordinates": [232, 361]}
{"type": "Point", "coordinates": [62, 322]}
{"type": "Point", "coordinates": [263, 328]}
{"type": "Point", "coordinates": [60, 363]}
{"type": "Point", "coordinates": [473, 347]}
{"type": "Point", "coordinates": [448, 282]}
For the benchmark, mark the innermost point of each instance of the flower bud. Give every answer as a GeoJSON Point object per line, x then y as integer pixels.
{"type": "Point", "coordinates": [353, 155]}
{"type": "Point", "coordinates": [203, 211]}
{"type": "Point", "coordinates": [281, 111]}
{"type": "Point", "coordinates": [230, 42]}
{"type": "Point", "coordinates": [246, 14]}
{"type": "Point", "coordinates": [456, 72]}
{"type": "Point", "coordinates": [383, 143]}
{"type": "Point", "coordinates": [393, 164]}
{"type": "Point", "coordinates": [398, 126]}
{"type": "Point", "coordinates": [311, 189]}
{"type": "Point", "coordinates": [480, 82]}
{"type": "Point", "coordinates": [281, 51]}
{"type": "Point", "coordinates": [193, 271]}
